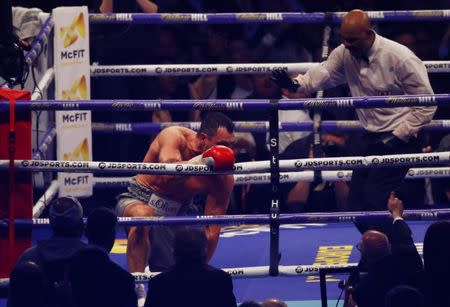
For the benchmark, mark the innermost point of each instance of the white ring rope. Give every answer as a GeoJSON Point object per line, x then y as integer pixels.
{"type": "Point", "coordinates": [286, 177]}
{"type": "Point", "coordinates": [45, 199]}
{"type": "Point", "coordinates": [47, 140]}
{"type": "Point", "coordinates": [196, 69]}
{"type": "Point", "coordinates": [239, 168]}
{"type": "Point", "coordinates": [215, 69]}
{"type": "Point", "coordinates": [262, 271]}
{"type": "Point", "coordinates": [44, 83]}
{"type": "Point", "coordinates": [245, 272]}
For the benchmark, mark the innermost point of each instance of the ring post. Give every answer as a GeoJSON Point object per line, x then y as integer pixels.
{"type": "Point", "coordinates": [16, 187]}
{"type": "Point", "coordinates": [317, 114]}
{"type": "Point", "coordinates": [275, 184]}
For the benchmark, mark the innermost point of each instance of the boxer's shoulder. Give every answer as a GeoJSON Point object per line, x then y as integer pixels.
{"type": "Point", "coordinates": [172, 131]}
{"type": "Point", "coordinates": [175, 134]}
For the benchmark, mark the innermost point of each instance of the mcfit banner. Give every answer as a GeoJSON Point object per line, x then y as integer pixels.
{"type": "Point", "coordinates": [72, 82]}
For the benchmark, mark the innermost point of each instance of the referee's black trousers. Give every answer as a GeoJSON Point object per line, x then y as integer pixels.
{"type": "Point", "coordinates": [370, 187]}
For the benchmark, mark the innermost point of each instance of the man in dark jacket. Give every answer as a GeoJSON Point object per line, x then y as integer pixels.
{"type": "Point", "coordinates": [191, 282]}
{"type": "Point", "coordinates": [98, 281]}
{"type": "Point", "coordinates": [95, 279]}
{"type": "Point", "coordinates": [388, 262]}
{"type": "Point", "coordinates": [53, 254]}
{"type": "Point", "coordinates": [433, 282]}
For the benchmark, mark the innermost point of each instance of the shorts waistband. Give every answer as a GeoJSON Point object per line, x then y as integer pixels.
{"type": "Point", "coordinates": [137, 191]}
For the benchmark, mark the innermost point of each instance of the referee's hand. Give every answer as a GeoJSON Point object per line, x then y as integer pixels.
{"type": "Point", "coordinates": [281, 78]}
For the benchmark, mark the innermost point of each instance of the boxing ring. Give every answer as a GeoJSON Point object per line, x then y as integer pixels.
{"type": "Point", "coordinates": [289, 254]}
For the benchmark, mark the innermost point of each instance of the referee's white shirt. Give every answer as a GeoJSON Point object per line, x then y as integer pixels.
{"type": "Point", "coordinates": [391, 69]}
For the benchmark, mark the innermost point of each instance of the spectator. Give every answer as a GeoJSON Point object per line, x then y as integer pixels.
{"type": "Point", "coordinates": [26, 286]}
{"type": "Point", "coordinates": [249, 304]}
{"type": "Point", "coordinates": [277, 45]}
{"type": "Point", "coordinates": [444, 44]}
{"type": "Point", "coordinates": [101, 228]}
{"type": "Point", "coordinates": [196, 283]}
{"type": "Point", "coordinates": [170, 87]}
{"type": "Point", "coordinates": [263, 88]}
{"type": "Point", "coordinates": [408, 39]}
{"type": "Point", "coordinates": [53, 254]}
{"type": "Point", "coordinates": [101, 232]}
{"type": "Point", "coordinates": [273, 302]}
{"type": "Point", "coordinates": [146, 6]}
{"type": "Point", "coordinates": [436, 254]}
{"type": "Point", "coordinates": [98, 281]}
{"type": "Point", "coordinates": [404, 296]}
{"type": "Point", "coordinates": [440, 187]}
{"type": "Point", "coordinates": [287, 138]}
{"type": "Point", "coordinates": [319, 195]}
{"type": "Point", "coordinates": [388, 262]}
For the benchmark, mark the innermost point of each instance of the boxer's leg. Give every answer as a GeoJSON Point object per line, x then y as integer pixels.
{"type": "Point", "coordinates": [138, 246]}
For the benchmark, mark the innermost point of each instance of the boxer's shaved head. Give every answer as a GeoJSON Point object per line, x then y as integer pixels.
{"type": "Point", "coordinates": [213, 120]}
{"type": "Point", "coordinates": [216, 129]}
{"type": "Point", "coordinates": [356, 33]}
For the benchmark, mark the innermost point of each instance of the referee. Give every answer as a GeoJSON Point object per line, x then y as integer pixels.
{"type": "Point", "coordinates": [372, 65]}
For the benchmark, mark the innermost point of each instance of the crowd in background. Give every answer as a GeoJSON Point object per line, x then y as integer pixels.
{"type": "Point", "coordinates": [264, 43]}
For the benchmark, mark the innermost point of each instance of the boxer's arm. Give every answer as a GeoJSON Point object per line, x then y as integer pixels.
{"type": "Point", "coordinates": [217, 204]}
{"type": "Point", "coordinates": [169, 151]}
{"type": "Point", "coordinates": [170, 141]}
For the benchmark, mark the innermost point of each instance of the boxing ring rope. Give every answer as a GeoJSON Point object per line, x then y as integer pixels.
{"type": "Point", "coordinates": [144, 128]}
{"type": "Point", "coordinates": [245, 272]}
{"type": "Point", "coordinates": [263, 178]}
{"type": "Point", "coordinates": [137, 70]}
{"type": "Point", "coordinates": [241, 18]}
{"type": "Point", "coordinates": [39, 41]}
{"type": "Point", "coordinates": [45, 199]}
{"type": "Point", "coordinates": [261, 271]}
{"type": "Point", "coordinates": [239, 168]}
{"type": "Point", "coordinates": [44, 83]}
{"type": "Point", "coordinates": [289, 177]}
{"type": "Point", "coordinates": [318, 103]}
{"type": "Point", "coordinates": [259, 219]}
{"type": "Point", "coordinates": [233, 18]}
{"type": "Point", "coordinates": [46, 140]}
{"type": "Point", "coordinates": [232, 104]}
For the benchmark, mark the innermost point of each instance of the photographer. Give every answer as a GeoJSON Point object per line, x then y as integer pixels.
{"type": "Point", "coordinates": [389, 262]}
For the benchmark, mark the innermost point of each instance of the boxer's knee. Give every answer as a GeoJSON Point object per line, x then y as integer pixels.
{"type": "Point", "coordinates": [138, 234]}
{"type": "Point", "coordinates": [138, 209]}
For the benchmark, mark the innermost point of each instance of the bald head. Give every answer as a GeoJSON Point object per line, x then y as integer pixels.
{"type": "Point", "coordinates": [356, 33]}
{"type": "Point", "coordinates": [273, 302]}
{"type": "Point", "coordinates": [374, 246]}
{"type": "Point", "coordinates": [356, 20]}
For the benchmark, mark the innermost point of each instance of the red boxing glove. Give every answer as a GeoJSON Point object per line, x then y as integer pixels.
{"type": "Point", "coordinates": [219, 157]}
